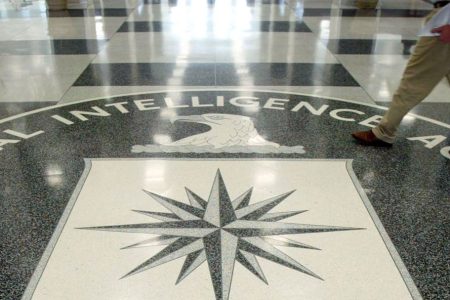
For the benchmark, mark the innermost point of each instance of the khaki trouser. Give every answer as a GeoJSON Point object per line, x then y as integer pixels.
{"type": "Point", "coordinates": [429, 63]}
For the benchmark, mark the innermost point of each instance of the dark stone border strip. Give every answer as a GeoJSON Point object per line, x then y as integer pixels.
{"type": "Point", "coordinates": [353, 12]}
{"type": "Point", "coordinates": [52, 47]}
{"type": "Point", "coordinates": [75, 13]}
{"type": "Point", "coordinates": [362, 46]}
{"type": "Point", "coordinates": [263, 26]}
{"type": "Point", "coordinates": [222, 74]}
{"type": "Point", "coordinates": [212, 2]}
{"type": "Point", "coordinates": [97, 12]}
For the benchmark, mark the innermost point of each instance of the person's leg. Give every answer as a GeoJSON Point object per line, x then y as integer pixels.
{"type": "Point", "coordinates": [429, 63]}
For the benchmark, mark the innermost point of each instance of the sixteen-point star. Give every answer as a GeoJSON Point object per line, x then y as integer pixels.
{"type": "Point", "coordinates": [221, 232]}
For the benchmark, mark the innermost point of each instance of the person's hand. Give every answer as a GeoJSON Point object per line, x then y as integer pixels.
{"type": "Point", "coordinates": [444, 32]}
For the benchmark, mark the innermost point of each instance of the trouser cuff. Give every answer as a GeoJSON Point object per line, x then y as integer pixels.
{"type": "Point", "coordinates": [379, 134]}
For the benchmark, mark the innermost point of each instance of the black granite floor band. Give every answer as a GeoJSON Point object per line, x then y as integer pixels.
{"type": "Point", "coordinates": [55, 47]}
{"type": "Point", "coordinates": [142, 26]}
{"type": "Point", "coordinates": [212, 2]}
{"type": "Point", "coordinates": [124, 74]}
{"type": "Point", "coordinates": [97, 12]}
{"type": "Point", "coordinates": [204, 74]}
{"type": "Point", "coordinates": [263, 26]}
{"type": "Point", "coordinates": [112, 12]}
{"type": "Point", "coordinates": [388, 13]}
{"type": "Point", "coordinates": [282, 26]}
{"type": "Point", "coordinates": [351, 12]}
{"type": "Point", "coordinates": [282, 74]}
{"type": "Point", "coordinates": [360, 46]}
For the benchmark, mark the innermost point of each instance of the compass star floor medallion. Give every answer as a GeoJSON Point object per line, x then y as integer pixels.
{"type": "Point", "coordinates": [220, 231]}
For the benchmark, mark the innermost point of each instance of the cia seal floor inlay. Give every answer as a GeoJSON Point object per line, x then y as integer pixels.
{"type": "Point", "coordinates": [201, 149]}
{"type": "Point", "coordinates": [270, 192]}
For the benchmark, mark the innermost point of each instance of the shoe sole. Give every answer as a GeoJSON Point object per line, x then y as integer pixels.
{"type": "Point", "coordinates": [378, 143]}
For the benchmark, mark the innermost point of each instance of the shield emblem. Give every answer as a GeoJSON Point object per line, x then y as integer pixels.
{"type": "Point", "coordinates": [220, 229]}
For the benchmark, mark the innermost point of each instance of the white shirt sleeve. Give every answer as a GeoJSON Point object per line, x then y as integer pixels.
{"type": "Point", "coordinates": [440, 19]}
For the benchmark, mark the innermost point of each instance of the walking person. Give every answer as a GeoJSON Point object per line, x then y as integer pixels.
{"type": "Point", "coordinates": [429, 63]}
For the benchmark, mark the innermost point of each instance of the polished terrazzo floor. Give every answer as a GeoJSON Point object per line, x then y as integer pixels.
{"type": "Point", "coordinates": [202, 150]}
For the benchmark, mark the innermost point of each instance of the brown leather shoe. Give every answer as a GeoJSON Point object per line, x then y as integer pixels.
{"type": "Point", "coordinates": [367, 138]}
